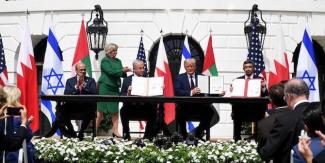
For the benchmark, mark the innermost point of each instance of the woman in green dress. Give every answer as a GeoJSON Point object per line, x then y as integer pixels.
{"type": "Point", "coordinates": [109, 84]}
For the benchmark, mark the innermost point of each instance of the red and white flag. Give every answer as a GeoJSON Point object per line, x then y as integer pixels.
{"type": "Point", "coordinates": [162, 69]}
{"type": "Point", "coordinates": [279, 68]}
{"type": "Point", "coordinates": [27, 77]}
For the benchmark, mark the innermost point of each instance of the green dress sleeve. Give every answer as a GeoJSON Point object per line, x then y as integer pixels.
{"type": "Point", "coordinates": [112, 68]}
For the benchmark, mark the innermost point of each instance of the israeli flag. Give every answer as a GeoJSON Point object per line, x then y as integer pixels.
{"type": "Point", "coordinates": [186, 53]}
{"type": "Point", "coordinates": [52, 76]}
{"type": "Point", "coordinates": [306, 68]}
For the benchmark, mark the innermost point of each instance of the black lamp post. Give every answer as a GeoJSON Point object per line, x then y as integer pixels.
{"type": "Point", "coordinates": [97, 31]}
{"type": "Point", "coordinates": [252, 24]}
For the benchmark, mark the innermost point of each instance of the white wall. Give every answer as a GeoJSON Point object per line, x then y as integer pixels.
{"type": "Point", "coordinates": [126, 19]}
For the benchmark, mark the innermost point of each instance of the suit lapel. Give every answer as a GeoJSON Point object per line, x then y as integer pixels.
{"type": "Point", "coordinates": [186, 82]}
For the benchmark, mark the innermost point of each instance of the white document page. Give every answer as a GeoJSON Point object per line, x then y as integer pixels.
{"type": "Point", "coordinates": [155, 86]}
{"type": "Point", "coordinates": [216, 84]}
{"type": "Point", "coordinates": [203, 83]}
{"type": "Point", "coordinates": [238, 87]}
{"type": "Point", "coordinates": [254, 88]}
{"type": "Point", "coordinates": [139, 86]}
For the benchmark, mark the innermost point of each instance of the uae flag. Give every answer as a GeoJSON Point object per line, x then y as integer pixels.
{"type": "Point", "coordinates": [210, 69]}
{"type": "Point", "coordinates": [209, 66]}
{"type": "Point", "coordinates": [27, 77]}
{"type": "Point", "coordinates": [82, 51]}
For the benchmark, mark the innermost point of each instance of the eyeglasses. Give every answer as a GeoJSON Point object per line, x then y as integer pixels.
{"type": "Point", "coordinates": [82, 69]}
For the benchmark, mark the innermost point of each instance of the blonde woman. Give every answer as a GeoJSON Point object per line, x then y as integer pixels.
{"type": "Point", "coordinates": [11, 142]}
{"type": "Point", "coordinates": [109, 84]}
{"type": "Point", "coordinates": [13, 96]}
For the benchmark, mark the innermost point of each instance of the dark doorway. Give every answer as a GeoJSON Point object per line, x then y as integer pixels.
{"type": "Point", "coordinates": [173, 44]}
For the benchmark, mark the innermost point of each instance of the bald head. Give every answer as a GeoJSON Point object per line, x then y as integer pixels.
{"type": "Point", "coordinates": [295, 90]}
{"type": "Point", "coordinates": [81, 69]}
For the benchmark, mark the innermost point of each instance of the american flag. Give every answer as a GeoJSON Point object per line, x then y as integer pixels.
{"type": "Point", "coordinates": [142, 56]}
{"type": "Point", "coordinates": [255, 51]}
{"type": "Point", "coordinates": [3, 67]}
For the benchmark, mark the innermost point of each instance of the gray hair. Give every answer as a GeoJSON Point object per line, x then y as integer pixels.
{"type": "Point", "coordinates": [137, 61]}
{"type": "Point", "coordinates": [296, 87]}
{"type": "Point", "coordinates": [186, 61]}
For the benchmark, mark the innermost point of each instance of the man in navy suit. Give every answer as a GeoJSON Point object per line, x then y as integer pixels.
{"type": "Point", "coordinates": [244, 112]}
{"type": "Point", "coordinates": [138, 109]}
{"type": "Point", "coordinates": [186, 85]}
{"type": "Point", "coordinates": [80, 85]}
{"type": "Point", "coordinates": [276, 93]}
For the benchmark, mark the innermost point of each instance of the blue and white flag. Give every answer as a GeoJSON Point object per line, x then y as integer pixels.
{"type": "Point", "coordinates": [306, 68]}
{"type": "Point", "coordinates": [186, 54]}
{"type": "Point", "coordinates": [52, 76]}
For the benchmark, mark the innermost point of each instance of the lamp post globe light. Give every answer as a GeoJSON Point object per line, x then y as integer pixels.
{"type": "Point", "coordinates": [252, 24]}
{"type": "Point", "coordinates": [97, 31]}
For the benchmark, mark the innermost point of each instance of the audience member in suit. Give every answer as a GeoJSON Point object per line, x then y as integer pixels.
{"type": "Point", "coordinates": [276, 94]}
{"type": "Point", "coordinates": [12, 142]}
{"type": "Point", "coordinates": [304, 145]}
{"type": "Point", "coordinates": [80, 85]}
{"type": "Point", "coordinates": [242, 112]}
{"type": "Point", "coordinates": [313, 121]}
{"type": "Point", "coordinates": [186, 85]}
{"type": "Point", "coordinates": [138, 109]}
{"type": "Point", "coordinates": [287, 127]}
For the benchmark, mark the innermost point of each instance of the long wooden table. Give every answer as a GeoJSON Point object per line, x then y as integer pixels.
{"type": "Point", "coordinates": [159, 99]}
{"type": "Point", "coordinates": [254, 115]}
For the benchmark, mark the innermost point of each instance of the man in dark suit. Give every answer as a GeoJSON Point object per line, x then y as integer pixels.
{"type": "Point", "coordinates": [287, 127]}
{"type": "Point", "coordinates": [186, 85]}
{"type": "Point", "coordinates": [264, 126]}
{"type": "Point", "coordinates": [80, 85]}
{"type": "Point", "coordinates": [244, 112]}
{"type": "Point", "coordinates": [137, 109]}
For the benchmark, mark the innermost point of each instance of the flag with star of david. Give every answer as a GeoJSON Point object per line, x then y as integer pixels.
{"type": "Point", "coordinates": [306, 67]}
{"type": "Point", "coordinates": [52, 76]}
{"type": "Point", "coordinates": [255, 51]}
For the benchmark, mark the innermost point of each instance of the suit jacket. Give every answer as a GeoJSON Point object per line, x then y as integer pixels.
{"type": "Point", "coordinates": [89, 88]}
{"type": "Point", "coordinates": [265, 125]}
{"type": "Point", "coordinates": [315, 146]}
{"type": "Point", "coordinates": [284, 135]}
{"type": "Point", "coordinates": [10, 143]}
{"type": "Point", "coordinates": [126, 83]}
{"type": "Point", "coordinates": [111, 72]}
{"type": "Point", "coordinates": [182, 86]}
